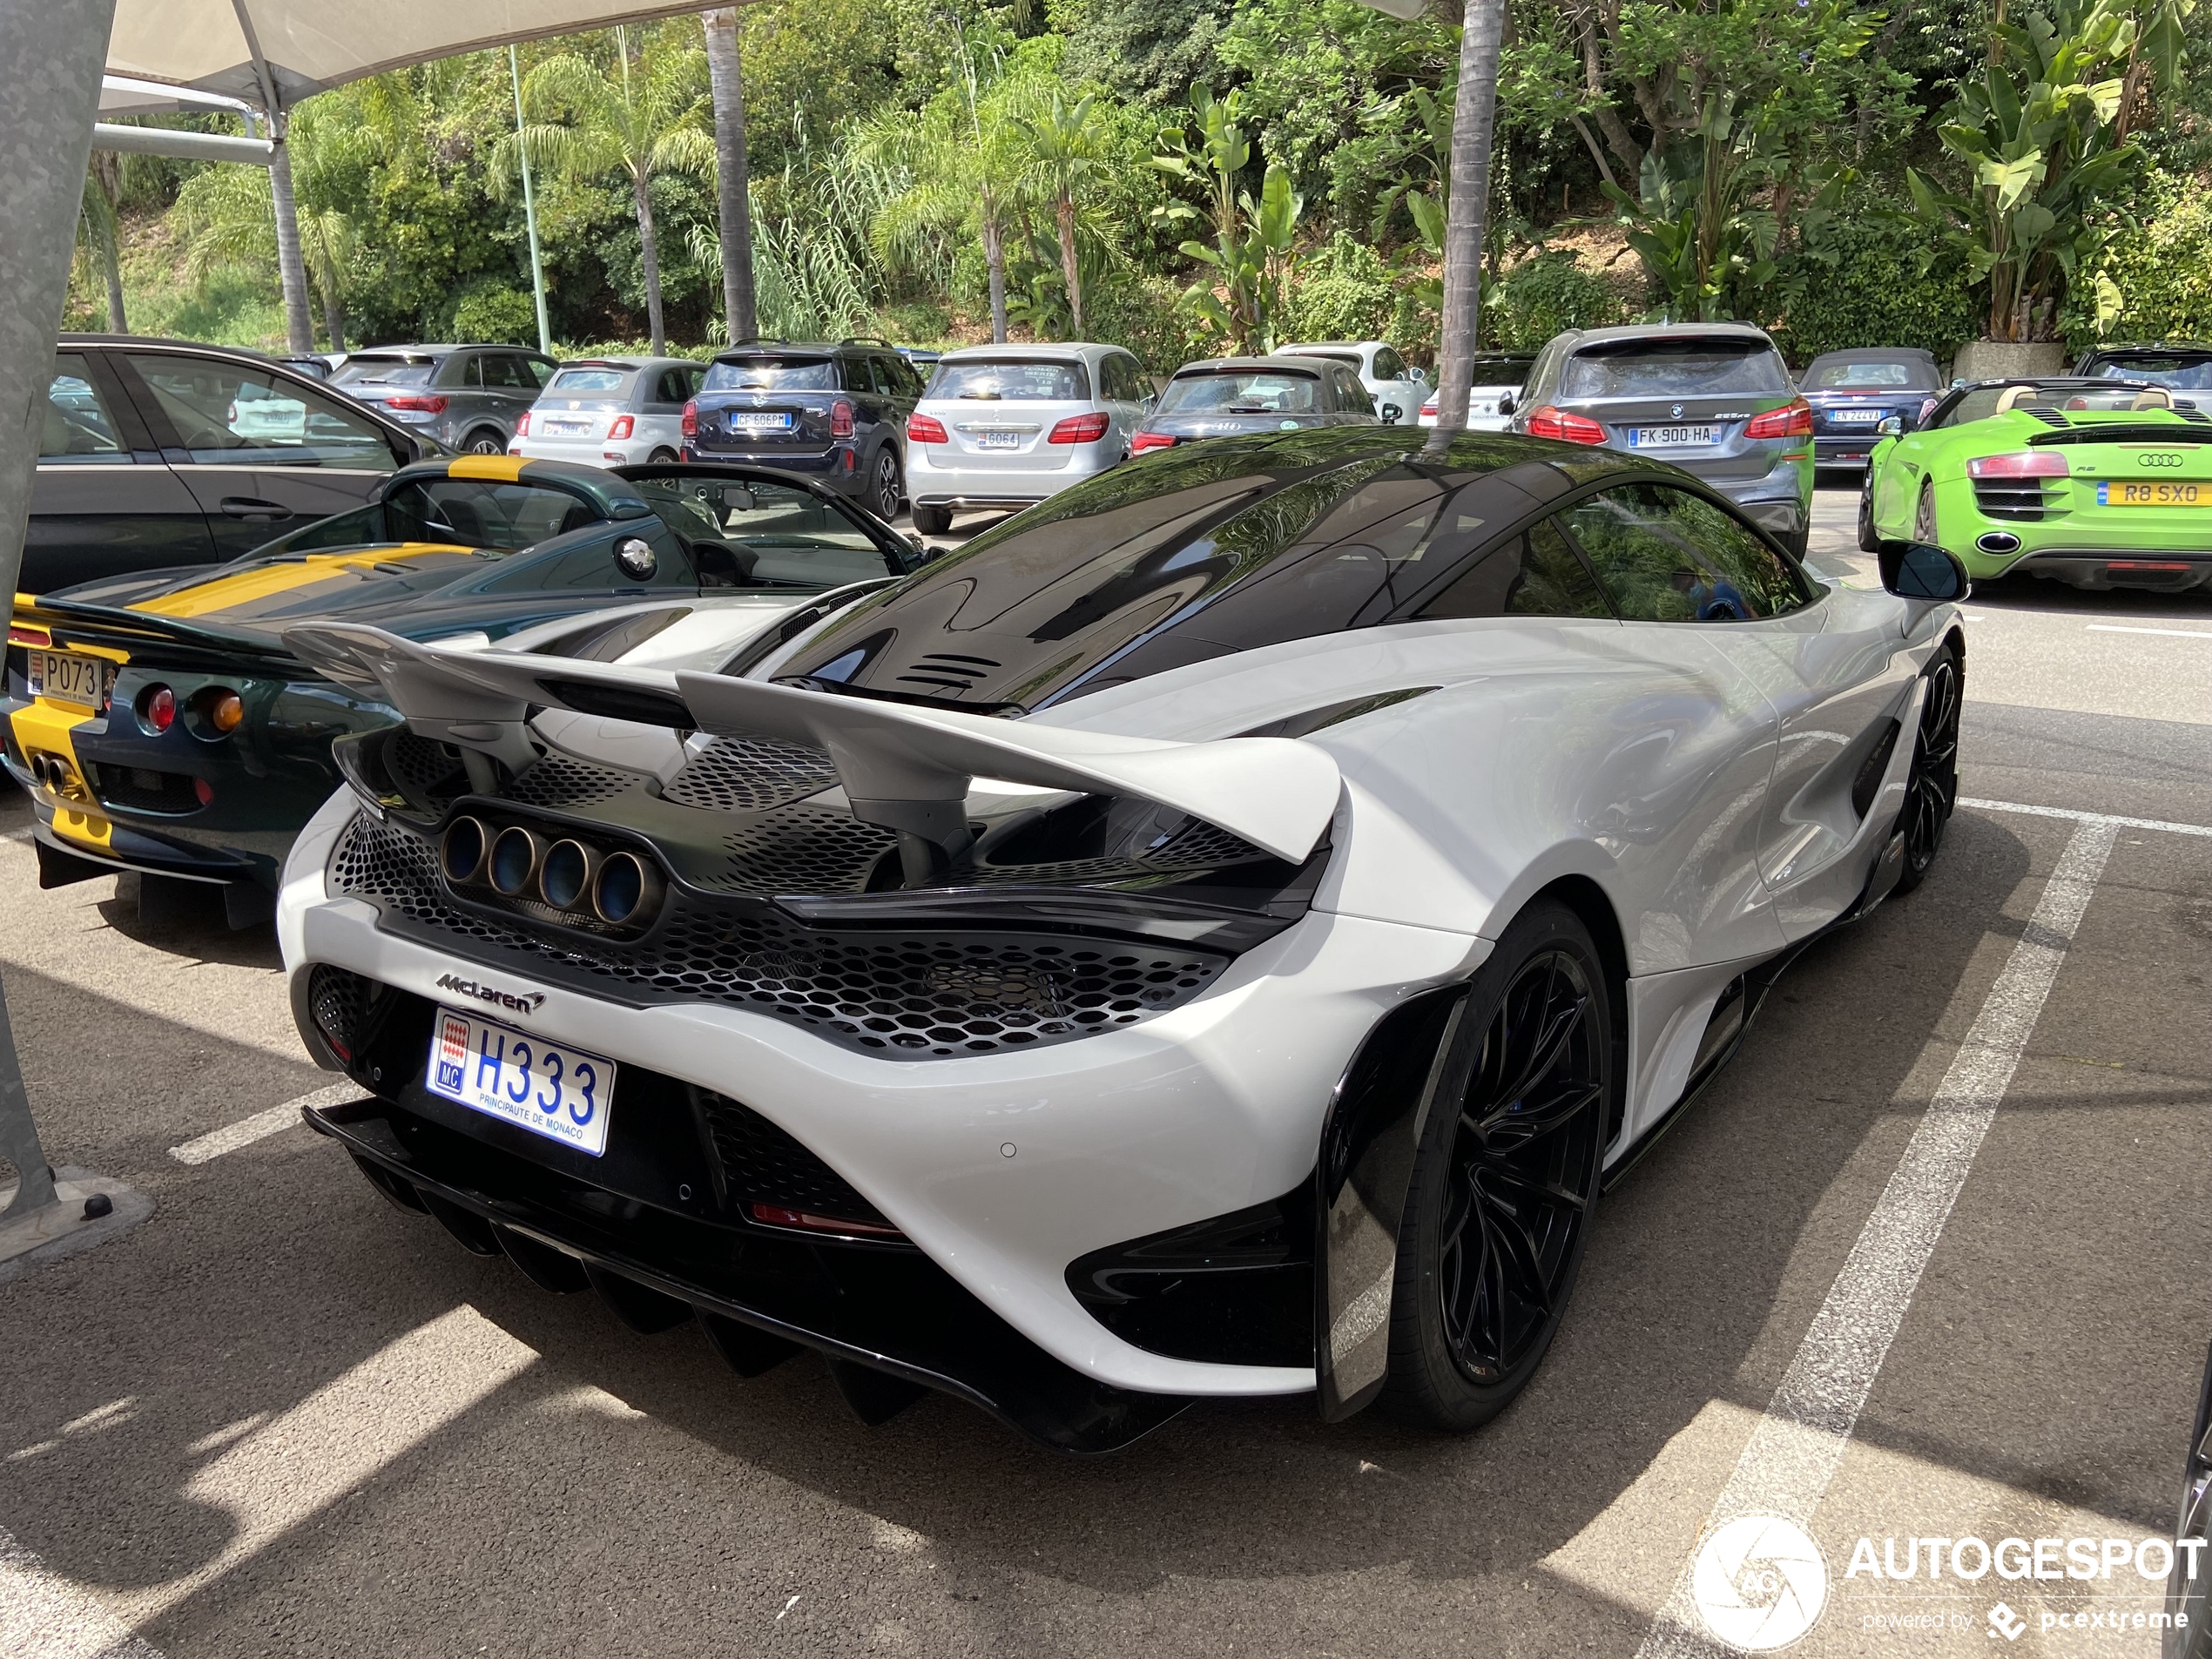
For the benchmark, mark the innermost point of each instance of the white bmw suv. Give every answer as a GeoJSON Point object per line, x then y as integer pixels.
{"type": "Point", "coordinates": [1007, 426]}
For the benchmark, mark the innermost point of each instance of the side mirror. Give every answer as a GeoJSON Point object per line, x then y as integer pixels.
{"type": "Point", "coordinates": [1921, 570]}
{"type": "Point", "coordinates": [1419, 376]}
{"type": "Point", "coordinates": [1392, 414]}
{"type": "Point", "coordinates": [1506, 404]}
{"type": "Point", "coordinates": [1892, 427]}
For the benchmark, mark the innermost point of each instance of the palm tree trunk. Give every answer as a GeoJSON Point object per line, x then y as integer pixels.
{"type": "Point", "coordinates": [107, 179]}
{"type": "Point", "coordinates": [1064, 210]}
{"type": "Point", "coordinates": [113, 261]}
{"type": "Point", "coordinates": [333, 316]}
{"type": "Point", "coordinates": [640, 182]}
{"type": "Point", "coordinates": [291, 271]}
{"type": "Point", "coordinates": [1473, 115]}
{"type": "Point", "coordinates": [995, 261]}
{"type": "Point", "coordinates": [726, 76]}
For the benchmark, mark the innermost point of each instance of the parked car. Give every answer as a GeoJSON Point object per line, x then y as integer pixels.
{"type": "Point", "coordinates": [923, 358]}
{"type": "Point", "coordinates": [161, 726]}
{"type": "Point", "coordinates": [469, 398]}
{"type": "Point", "coordinates": [1230, 396]}
{"type": "Point", "coordinates": [1007, 426]}
{"type": "Point", "coordinates": [1851, 392]}
{"type": "Point", "coordinates": [609, 411]}
{"type": "Point", "coordinates": [320, 365]}
{"type": "Point", "coordinates": [835, 413]}
{"type": "Point", "coordinates": [1498, 378]}
{"type": "Point", "coordinates": [2180, 365]}
{"type": "Point", "coordinates": [1397, 389]}
{"type": "Point", "coordinates": [1714, 399]}
{"type": "Point", "coordinates": [160, 453]}
{"type": "Point", "coordinates": [1180, 947]}
{"type": "Point", "coordinates": [2099, 483]}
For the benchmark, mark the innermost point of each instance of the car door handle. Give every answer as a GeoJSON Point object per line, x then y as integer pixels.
{"type": "Point", "coordinates": [249, 506]}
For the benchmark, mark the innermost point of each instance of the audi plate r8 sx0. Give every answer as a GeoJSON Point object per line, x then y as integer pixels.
{"type": "Point", "coordinates": [1211, 934]}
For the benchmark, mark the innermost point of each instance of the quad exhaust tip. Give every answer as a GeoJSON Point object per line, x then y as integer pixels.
{"type": "Point", "coordinates": [619, 889]}
{"type": "Point", "coordinates": [1997, 541]}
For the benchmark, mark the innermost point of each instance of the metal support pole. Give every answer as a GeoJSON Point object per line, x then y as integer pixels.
{"type": "Point", "coordinates": [53, 51]}
{"type": "Point", "coordinates": [1474, 107]}
{"type": "Point", "coordinates": [529, 208]}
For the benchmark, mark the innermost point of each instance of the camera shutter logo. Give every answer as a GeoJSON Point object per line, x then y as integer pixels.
{"type": "Point", "coordinates": [1759, 1582]}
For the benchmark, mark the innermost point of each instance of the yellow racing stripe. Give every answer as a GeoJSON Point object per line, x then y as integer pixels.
{"type": "Point", "coordinates": [45, 728]}
{"type": "Point", "coordinates": [244, 587]}
{"type": "Point", "coordinates": [491, 469]}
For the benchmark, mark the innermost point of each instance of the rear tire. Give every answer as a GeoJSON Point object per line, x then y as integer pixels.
{"type": "Point", "coordinates": [1868, 541]}
{"type": "Point", "coordinates": [485, 442]}
{"type": "Point", "coordinates": [886, 491]}
{"type": "Point", "coordinates": [1932, 786]}
{"type": "Point", "coordinates": [933, 520]}
{"type": "Point", "coordinates": [1924, 515]}
{"type": "Point", "coordinates": [661, 458]}
{"type": "Point", "coordinates": [1505, 1179]}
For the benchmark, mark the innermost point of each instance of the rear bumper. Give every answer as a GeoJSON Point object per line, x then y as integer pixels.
{"type": "Point", "coordinates": [1845, 451]}
{"type": "Point", "coordinates": [930, 482]}
{"type": "Point", "coordinates": [837, 469]}
{"type": "Point", "coordinates": [888, 1308]}
{"type": "Point", "coordinates": [2098, 570]}
{"type": "Point", "coordinates": [590, 452]}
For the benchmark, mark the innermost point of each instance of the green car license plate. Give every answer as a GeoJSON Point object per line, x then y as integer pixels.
{"type": "Point", "coordinates": [68, 677]}
{"type": "Point", "coordinates": [2125, 494]}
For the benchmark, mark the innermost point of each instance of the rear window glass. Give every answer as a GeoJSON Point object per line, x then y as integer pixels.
{"type": "Point", "coordinates": [1243, 392]}
{"type": "Point", "coordinates": [755, 534]}
{"type": "Point", "coordinates": [1501, 370]}
{"type": "Point", "coordinates": [469, 512]}
{"type": "Point", "coordinates": [1981, 403]}
{"type": "Point", "coordinates": [2190, 371]}
{"type": "Point", "coordinates": [1012, 380]}
{"type": "Point", "coordinates": [1674, 369]}
{"type": "Point", "coordinates": [773, 375]}
{"type": "Point", "coordinates": [393, 371]}
{"type": "Point", "coordinates": [1847, 377]}
{"type": "Point", "coordinates": [591, 382]}
{"type": "Point", "coordinates": [1349, 358]}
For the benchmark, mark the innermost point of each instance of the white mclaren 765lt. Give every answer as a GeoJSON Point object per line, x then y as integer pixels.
{"type": "Point", "coordinates": [1214, 933]}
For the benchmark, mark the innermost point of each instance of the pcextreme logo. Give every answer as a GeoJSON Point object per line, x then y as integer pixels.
{"type": "Point", "coordinates": [518, 1001]}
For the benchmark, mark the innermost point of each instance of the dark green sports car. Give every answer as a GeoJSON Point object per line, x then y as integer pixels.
{"type": "Point", "coordinates": [160, 726]}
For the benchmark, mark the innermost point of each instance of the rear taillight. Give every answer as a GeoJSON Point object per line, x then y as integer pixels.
{"type": "Point", "coordinates": [1144, 440]}
{"type": "Point", "coordinates": [1428, 411]}
{"type": "Point", "coordinates": [1552, 422]}
{"type": "Point", "coordinates": [622, 428]}
{"type": "Point", "coordinates": [157, 710]}
{"type": "Point", "coordinates": [926, 428]}
{"type": "Point", "coordinates": [840, 418]}
{"type": "Point", "coordinates": [22, 634]}
{"type": "Point", "coordinates": [1792, 420]}
{"type": "Point", "coordinates": [523, 424]}
{"type": "Point", "coordinates": [1080, 429]}
{"type": "Point", "coordinates": [691, 418]}
{"type": "Point", "coordinates": [420, 405]}
{"type": "Point", "coordinates": [2026, 463]}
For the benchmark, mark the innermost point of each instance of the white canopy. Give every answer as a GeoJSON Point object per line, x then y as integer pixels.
{"type": "Point", "coordinates": [217, 46]}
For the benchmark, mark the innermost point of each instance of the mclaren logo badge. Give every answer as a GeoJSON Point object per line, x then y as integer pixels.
{"type": "Point", "coordinates": [519, 1002]}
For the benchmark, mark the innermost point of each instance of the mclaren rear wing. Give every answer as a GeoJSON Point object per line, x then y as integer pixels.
{"type": "Point", "coordinates": [906, 767]}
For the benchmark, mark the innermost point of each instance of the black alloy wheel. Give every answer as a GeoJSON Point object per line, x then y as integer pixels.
{"type": "Point", "coordinates": [1868, 542]}
{"type": "Point", "coordinates": [1924, 515]}
{"type": "Point", "coordinates": [485, 442]}
{"type": "Point", "coordinates": [1931, 788]}
{"type": "Point", "coordinates": [1506, 1181]}
{"type": "Point", "coordinates": [886, 493]}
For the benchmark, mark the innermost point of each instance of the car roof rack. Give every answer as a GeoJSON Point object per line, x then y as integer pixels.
{"type": "Point", "coordinates": [867, 339]}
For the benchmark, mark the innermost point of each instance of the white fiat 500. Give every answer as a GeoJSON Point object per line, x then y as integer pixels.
{"type": "Point", "coordinates": [609, 411]}
{"type": "Point", "coordinates": [1007, 426]}
{"type": "Point", "coordinates": [1212, 936]}
{"type": "Point", "coordinates": [1389, 379]}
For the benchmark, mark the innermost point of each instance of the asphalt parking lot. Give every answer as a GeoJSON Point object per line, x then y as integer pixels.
{"type": "Point", "coordinates": [280, 1417]}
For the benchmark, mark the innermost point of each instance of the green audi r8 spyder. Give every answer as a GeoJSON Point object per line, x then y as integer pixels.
{"type": "Point", "coordinates": [2101, 484]}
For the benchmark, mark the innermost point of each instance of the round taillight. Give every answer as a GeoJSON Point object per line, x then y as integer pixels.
{"type": "Point", "coordinates": [514, 861]}
{"type": "Point", "coordinates": [461, 854]}
{"type": "Point", "coordinates": [226, 709]}
{"type": "Point", "coordinates": [157, 709]}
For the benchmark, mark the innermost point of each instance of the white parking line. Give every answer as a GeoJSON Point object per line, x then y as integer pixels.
{"type": "Point", "coordinates": [2176, 633]}
{"type": "Point", "coordinates": [2080, 817]}
{"type": "Point", "coordinates": [260, 1126]}
{"type": "Point", "coordinates": [1798, 1444]}
{"type": "Point", "coordinates": [51, 1618]}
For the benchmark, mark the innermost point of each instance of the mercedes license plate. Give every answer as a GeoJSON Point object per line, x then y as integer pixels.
{"type": "Point", "coordinates": [548, 1088]}
{"type": "Point", "coordinates": [759, 421]}
{"type": "Point", "coordinates": [998, 440]}
{"type": "Point", "coordinates": [1854, 417]}
{"type": "Point", "coordinates": [2149, 495]}
{"type": "Point", "coordinates": [69, 677]}
{"type": "Point", "coordinates": [1672, 437]}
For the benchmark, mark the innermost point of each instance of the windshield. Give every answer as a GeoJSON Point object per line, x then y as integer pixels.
{"type": "Point", "coordinates": [1012, 379]}
{"type": "Point", "coordinates": [1899, 374]}
{"type": "Point", "coordinates": [1674, 369]}
{"type": "Point", "coordinates": [591, 382]}
{"type": "Point", "coordinates": [1499, 370]}
{"type": "Point", "coordinates": [760, 535]}
{"type": "Point", "coordinates": [393, 371]}
{"type": "Point", "coordinates": [2185, 371]}
{"type": "Point", "coordinates": [1243, 391]}
{"type": "Point", "coordinates": [467, 512]}
{"type": "Point", "coordinates": [772, 374]}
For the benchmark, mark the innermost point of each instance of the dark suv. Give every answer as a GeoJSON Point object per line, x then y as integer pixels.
{"type": "Point", "coordinates": [837, 412]}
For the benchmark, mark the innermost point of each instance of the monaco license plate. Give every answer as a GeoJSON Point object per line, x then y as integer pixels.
{"type": "Point", "coordinates": [1854, 417]}
{"type": "Point", "coordinates": [1672, 437]}
{"type": "Point", "coordinates": [998, 440]}
{"type": "Point", "coordinates": [759, 421]}
{"type": "Point", "coordinates": [69, 677]}
{"type": "Point", "coordinates": [2150, 495]}
{"type": "Point", "coordinates": [548, 1088]}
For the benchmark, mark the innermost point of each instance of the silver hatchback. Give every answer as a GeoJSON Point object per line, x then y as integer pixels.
{"type": "Point", "coordinates": [1713, 398]}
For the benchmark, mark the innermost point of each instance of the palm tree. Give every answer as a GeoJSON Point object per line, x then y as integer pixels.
{"type": "Point", "coordinates": [726, 76]}
{"type": "Point", "coordinates": [636, 124]}
{"type": "Point", "coordinates": [1473, 116]}
{"type": "Point", "coordinates": [1066, 152]}
{"type": "Point", "coordinates": [98, 231]}
{"type": "Point", "coordinates": [227, 216]}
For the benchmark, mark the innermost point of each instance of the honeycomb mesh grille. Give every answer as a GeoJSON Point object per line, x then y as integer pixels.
{"type": "Point", "coordinates": [139, 789]}
{"type": "Point", "coordinates": [423, 769]}
{"type": "Point", "coordinates": [337, 998]}
{"type": "Point", "coordinates": [896, 994]}
{"type": "Point", "coordinates": [561, 780]}
{"type": "Point", "coordinates": [762, 1164]}
{"type": "Point", "coordinates": [804, 849]}
{"type": "Point", "coordinates": [751, 775]}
